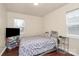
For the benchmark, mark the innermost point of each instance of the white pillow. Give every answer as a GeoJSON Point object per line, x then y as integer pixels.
{"type": "Point", "coordinates": [47, 34]}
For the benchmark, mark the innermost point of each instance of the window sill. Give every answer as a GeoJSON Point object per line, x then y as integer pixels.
{"type": "Point", "coordinates": [73, 36]}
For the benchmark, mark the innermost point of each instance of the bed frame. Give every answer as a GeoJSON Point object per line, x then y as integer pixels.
{"type": "Point", "coordinates": [53, 34]}
{"type": "Point", "coordinates": [48, 51]}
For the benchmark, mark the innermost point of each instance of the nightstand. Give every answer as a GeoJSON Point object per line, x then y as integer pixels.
{"type": "Point", "coordinates": [63, 43]}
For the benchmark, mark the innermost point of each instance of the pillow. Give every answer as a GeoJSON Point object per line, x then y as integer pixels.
{"type": "Point", "coordinates": [47, 34]}
{"type": "Point", "coordinates": [54, 34]}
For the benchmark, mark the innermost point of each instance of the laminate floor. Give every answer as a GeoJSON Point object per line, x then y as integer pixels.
{"type": "Point", "coordinates": [14, 52]}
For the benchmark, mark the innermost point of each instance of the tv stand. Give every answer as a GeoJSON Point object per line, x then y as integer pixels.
{"type": "Point", "coordinates": [12, 42]}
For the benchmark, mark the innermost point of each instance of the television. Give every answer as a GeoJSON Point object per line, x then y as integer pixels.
{"type": "Point", "coordinates": [12, 32]}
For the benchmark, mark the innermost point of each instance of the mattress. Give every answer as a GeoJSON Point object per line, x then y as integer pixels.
{"type": "Point", "coordinates": [30, 46]}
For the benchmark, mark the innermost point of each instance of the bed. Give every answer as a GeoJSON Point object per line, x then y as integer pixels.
{"type": "Point", "coordinates": [36, 45]}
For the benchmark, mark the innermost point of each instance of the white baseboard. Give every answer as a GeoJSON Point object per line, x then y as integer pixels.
{"type": "Point", "coordinates": [75, 54]}
{"type": "Point", "coordinates": [3, 51]}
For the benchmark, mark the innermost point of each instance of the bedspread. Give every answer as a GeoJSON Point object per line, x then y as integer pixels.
{"type": "Point", "coordinates": [30, 46]}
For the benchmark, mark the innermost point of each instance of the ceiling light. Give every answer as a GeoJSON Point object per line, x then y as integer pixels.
{"type": "Point", "coordinates": [35, 3]}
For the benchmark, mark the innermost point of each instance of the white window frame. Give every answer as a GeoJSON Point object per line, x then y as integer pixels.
{"type": "Point", "coordinates": [21, 31]}
{"type": "Point", "coordinates": [67, 24]}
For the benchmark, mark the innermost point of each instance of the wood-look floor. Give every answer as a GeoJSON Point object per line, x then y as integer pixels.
{"type": "Point", "coordinates": [14, 52]}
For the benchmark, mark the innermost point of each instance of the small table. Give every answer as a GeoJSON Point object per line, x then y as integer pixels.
{"type": "Point", "coordinates": [63, 44]}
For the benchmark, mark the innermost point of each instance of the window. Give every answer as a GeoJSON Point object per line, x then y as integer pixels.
{"type": "Point", "coordinates": [19, 23]}
{"type": "Point", "coordinates": [73, 22]}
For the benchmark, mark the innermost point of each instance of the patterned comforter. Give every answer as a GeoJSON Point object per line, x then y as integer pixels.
{"type": "Point", "coordinates": [30, 46]}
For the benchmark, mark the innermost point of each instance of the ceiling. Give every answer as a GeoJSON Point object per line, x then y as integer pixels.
{"type": "Point", "coordinates": [36, 10]}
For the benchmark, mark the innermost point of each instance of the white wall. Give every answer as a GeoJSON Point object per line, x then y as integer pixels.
{"type": "Point", "coordinates": [57, 21]}
{"type": "Point", "coordinates": [2, 27]}
{"type": "Point", "coordinates": [33, 24]}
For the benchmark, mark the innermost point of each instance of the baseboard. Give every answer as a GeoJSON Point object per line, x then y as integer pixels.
{"type": "Point", "coordinates": [73, 53]}
{"type": "Point", "coordinates": [2, 51]}
{"type": "Point", "coordinates": [70, 52]}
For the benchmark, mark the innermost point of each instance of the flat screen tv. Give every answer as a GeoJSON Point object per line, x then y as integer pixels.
{"type": "Point", "coordinates": [12, 32]}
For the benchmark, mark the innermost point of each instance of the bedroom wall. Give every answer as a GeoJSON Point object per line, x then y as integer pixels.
{"type": "Point", "coordinates": [33, 24]}
{"type": "Point", "coordinates": [2, 27]}
{"type": "Point", "coordinates": [57, 21]}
